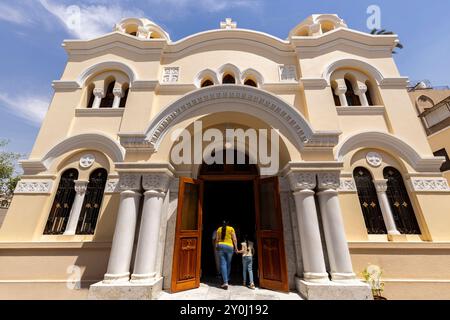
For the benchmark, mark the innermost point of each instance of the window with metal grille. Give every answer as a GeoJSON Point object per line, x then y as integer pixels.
{"type": "Point", "coordinates": [92, 202]}
{"type": "Point", "coordinates": [62, 204]}
{"type": "Point", "coordinates": [368, 200]}
{"type": "Point", "coordinates": [401, 207]}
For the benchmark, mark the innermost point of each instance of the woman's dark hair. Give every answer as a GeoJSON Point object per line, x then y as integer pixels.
{"type": "Point", "coordinates": [224, 229]}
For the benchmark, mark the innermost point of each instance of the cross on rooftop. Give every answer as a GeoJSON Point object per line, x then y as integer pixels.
{"type": "Point", "coordinates": [228, 24]}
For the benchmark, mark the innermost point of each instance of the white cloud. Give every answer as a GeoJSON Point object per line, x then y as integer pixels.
{"type": "Point", "coordinates": [30, 108]}
{"type": "Point", "coordinates": [11, 14]}
{"type": "Point", "coordinates": [89, 21]}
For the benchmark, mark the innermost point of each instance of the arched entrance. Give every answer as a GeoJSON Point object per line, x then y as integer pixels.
{"type": "Point", "coordinates": [234, 192]}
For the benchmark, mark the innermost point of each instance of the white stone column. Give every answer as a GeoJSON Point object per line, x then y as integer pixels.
{"type": "Point", "coordinates": [333, 226]}
{"type": "Point", "coordinates": [312, 252]}
{"type": "Point", "coordinates": [99, 94]}
{"type": "Point", "coordinates": [118, 95]}
{"type": "Point", "coordinates": [388, 217]}
{"type": "Point", "coordinates": [361, 93]}
{"type": "Point", "coordinates": [156, 186]}
{"type": "Point", "coordinates": [123, 240]}
{"type": "Point", "coordinates": [80, 189]}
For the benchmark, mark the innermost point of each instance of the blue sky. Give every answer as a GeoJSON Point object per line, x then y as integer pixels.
{"type": "Point", "coordinates": [32, 31]}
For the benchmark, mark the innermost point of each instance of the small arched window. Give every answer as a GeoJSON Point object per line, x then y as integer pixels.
{"type": "Point", "coordinates": [62, 204]}
{"type": "Point", "coordinates": [337, 101]}
{"type": "Point", "coordinates": [123, 100]}
{"type": "Point", "coordinates": [401, 207]}
{"type": "Point", "coordinates": [108, 100]}
{"type": "Point", "coordinates": [91, 96]}
{"type": "Point", "coordinates": [207, 83]}
{"type": "Point", "coordinates": [368, 200]}
{"type": "Point", "coordinates": [352, 98]}
{"type": "Point", "coordinates": [370, 93]}
{"type": "Point", "coordinates": [251, 83]}
{"type": "Point", "coordinates": [92, 202]}
{"type": "Point", "coordinates": [228, 79]}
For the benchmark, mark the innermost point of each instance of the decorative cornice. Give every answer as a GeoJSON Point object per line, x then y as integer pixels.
{"type": "Point", "coordinates": [302, 180]}
{"type": "Point", "coordinates": [35, 186]}
{"type": "Point", "coordinates": [100, 112]}
{"type": "Point", "coordinates": [157, 182]}
{"type": "Point", "coordinates": [130, 181]}
{"type": "Point", "coordinates": [314, 83]}
{"type": "Point", "coordinates": [328, 180]}
{"type": "Point", "coordinates": [65, 85]}
{"type": "Point", "coordinates": [359, 110]}
{"type": "Point", "coordinates": [347, 185]}
{"type": "Point", "coordinates": [32, 167]}
{"type": "Point", "coordinates": [144, 85]}
{"type": "Point", "coordinates": [135, 142]}
{"type": "Point", "coordinates": [429, 185]}
{"type": "Point", "coordinates": [380, 185]}
{"type": "Point", "coordinates": [394, 83]}
{"type": "Point", "coordinates": [112, 186]}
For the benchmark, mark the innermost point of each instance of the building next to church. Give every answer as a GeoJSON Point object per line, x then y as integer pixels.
{"type": "Point", "coordinates": [433, 107]}
{"type": "Point", "coordinates": [103, 211]}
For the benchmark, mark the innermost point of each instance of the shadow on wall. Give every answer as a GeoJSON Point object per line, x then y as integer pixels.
{"type": "Point", "coordinates": [3, 212]}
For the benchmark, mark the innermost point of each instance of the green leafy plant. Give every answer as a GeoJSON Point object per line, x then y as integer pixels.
{"type": "Point", "coordinates": [8, 174]}
{"type": "Point", "coordinates": [384, 32]}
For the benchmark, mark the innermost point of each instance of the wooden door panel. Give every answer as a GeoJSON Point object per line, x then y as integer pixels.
{"type": "Point", "coordinates": [269, 223]}
{"type": "Point", "coordinates": [187, 249]}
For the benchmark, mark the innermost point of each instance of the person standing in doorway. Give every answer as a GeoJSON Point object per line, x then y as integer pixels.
{"type": "Point", "coordinates": [247, 252]}
{"type": "Point", "coordinates": [216, 253]}
{"type": "Point", "coordinates": [226, 244]}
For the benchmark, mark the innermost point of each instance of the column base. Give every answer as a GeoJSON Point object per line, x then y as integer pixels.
{"type": "Point", "coordinates": [126, 291]}
{"type": "Point", "coordinates": [331, 290]}
{"type": "Point", "coordinates": [143, 278]}
{"type": "Point", "coordinates": [343, 277]}
{"type": "Point", "coordinates": [316, 277]}
{"type": "Point", "coordinates": [116, 278]}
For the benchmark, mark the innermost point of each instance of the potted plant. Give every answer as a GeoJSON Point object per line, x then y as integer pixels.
{"type": "Point", "coordinates": [372, 275]}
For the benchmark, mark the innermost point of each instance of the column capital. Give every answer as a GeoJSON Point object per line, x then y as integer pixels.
{"type": "Point", "coordinates": [380, 185]}
{"type": "Point", "coordinates": [329, 180]}
{"type": "Point", "coordinates": [129, 181]}
{"type": "Point", "coordinates": [157, 182]}
{"type": "Point", "coordinates": [81, 186]}
{"type": "Point", "coordinates": [302, 181]}
{"type": "Point", "coordinates": [118, 92]}
{"type": "Point", "coordinates": [361, 88]}
{"type": "Point", "coordinates": [99, 93]}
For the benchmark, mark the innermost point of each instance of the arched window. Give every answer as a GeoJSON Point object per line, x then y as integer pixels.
{"type": "Point", "coordinates": [369, 93]}
{"type": "Point", "coordinates": [401, 207]}
{"type": "Point", "coordinates": [337, 101]}
{"type": "Point", "coordinates": [91, 96]}
{"type": "Point", "coordinates": [92, 202]}
{"type": "Point", "coordinates": [207, 83]}
{"type": "Point", "coordinates": [368, 200]}
{"type": "Point", "coordinates": [425, 102]}
{"type": "Point", "coordinates": [228, 79]}
{"type": "Point", "coordinates": [251, 83]}
{"type": "Point", "coordinates": [123, 100]}
{"type": "Point", "coordinates": [352, 98]}
{"type": "Point", "coordinates": [65, 195]}
{"type": "Point", "coordinates": [108, 100]}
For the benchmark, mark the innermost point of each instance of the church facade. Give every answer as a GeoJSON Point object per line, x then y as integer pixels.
{"type": "Point", "coordinates": [105, 209]}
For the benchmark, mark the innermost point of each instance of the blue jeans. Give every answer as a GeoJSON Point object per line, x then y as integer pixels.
{"type": "Point", "coordinates": [225, 255]}
{"type": "Point", "coordinates": [247, 265]}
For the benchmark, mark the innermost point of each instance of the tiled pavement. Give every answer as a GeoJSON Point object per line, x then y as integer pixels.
{"type": "Point", "coordinates": [212, 292]}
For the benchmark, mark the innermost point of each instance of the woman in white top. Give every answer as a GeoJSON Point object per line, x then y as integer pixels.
{"type": "Point", "coordinates": [247, 252]}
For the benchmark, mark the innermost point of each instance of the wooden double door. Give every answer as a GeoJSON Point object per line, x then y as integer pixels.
{"type": "Point", "coordinates": [186, 269]}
